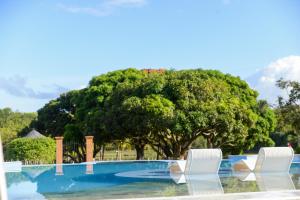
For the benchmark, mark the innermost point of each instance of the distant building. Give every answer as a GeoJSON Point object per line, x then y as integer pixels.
{"type": "Point", "coordinates": [150, 71]}
{"type": "Point", "coordinates": [34, 134]}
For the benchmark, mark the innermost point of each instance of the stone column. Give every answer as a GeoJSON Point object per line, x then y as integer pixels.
{"type": "Point", "coordinates": [89, 148]}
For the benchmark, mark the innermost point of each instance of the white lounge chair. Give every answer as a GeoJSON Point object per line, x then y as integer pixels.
{"type": "Point", "coordinates": [269, 159]}
{"type": "Point", "coordinates": [199, 161]}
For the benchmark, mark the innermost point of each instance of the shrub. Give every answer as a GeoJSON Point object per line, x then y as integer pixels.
{"type": "Point", "coordinates": [41, 150]}
{"type": "Point", "coordinates": [297, 150]}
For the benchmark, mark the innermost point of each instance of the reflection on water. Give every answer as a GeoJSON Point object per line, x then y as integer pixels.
{"type": "Point", "coordinates": [117, 180]}
{"type": "Point", "coordinates": [204, 184]}
{"type": "Point", "coordinates": [259, 182]}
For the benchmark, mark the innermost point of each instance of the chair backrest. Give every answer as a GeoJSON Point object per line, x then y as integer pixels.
{"type": "Point", "coordinates": [274, 159]}
{"type": "Point", "coordinates": [203, 161]}
{"type": "Point", "coordinates": [3, 191]}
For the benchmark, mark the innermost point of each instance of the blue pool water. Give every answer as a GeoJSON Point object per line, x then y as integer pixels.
{"type": "Point", "coordinates": [111, 180]}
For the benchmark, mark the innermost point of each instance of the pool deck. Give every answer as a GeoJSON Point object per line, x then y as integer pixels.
{"type": "Point", "coordinates": [274, 195]}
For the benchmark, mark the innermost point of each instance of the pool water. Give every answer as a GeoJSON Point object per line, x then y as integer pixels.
{"type": "Point", "coordinates": [112, 180]}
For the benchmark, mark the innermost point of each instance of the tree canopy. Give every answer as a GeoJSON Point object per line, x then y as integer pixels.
{"type": "Point", "coordinates": [13, 124]}
{"type": "Point", "coordinates": [80, 112]}
{"type": "Point", "coordinates": [288, 111]}
{"type": "Point", "coordinates": [168, 111]}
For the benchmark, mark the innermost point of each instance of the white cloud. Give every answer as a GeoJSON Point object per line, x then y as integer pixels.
{"type": "Point", "coordinates": [17, 86]}
{"type": "Point", "coordinates": [28, 94]}
{"type": "Point", "coordinates": [22, 104]}
{"type": "Point", "coordinates": [103, 8]}
{"type": "Point", "coordinates": [264, 81]}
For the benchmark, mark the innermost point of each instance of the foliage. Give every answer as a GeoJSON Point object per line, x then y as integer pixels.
{"type": "Point", "coordinates": [56, 114]}
{"type": "Point", "coordinates": [90, 112]}
{"type": "Point", "coordinates": [266, 123]}
{"type": "Point", "coordinates": [171, 111]}
{"type": "Point", "coordinates": [297, 150]}
{"type": "Point", "coordinates": [41, 150]}
{"type": "Point", "coordinates": [168, 111]}
{"type": "Point", "coordinates": [288, 111]}
{"type": "Point", "coordinates": [80, 112]}
{"type": "Point", "coordinates": [90, 106]}
{"type": "Point", "coordinates": [74, 145]}
{"type": "Point", "coordinates": [13, 124]}
{"type": "Point", "coordinates": [199, 143]}
{"type": "Point", "coordinates": [280, 139]}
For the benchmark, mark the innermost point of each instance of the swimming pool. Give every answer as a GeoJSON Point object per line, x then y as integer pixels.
{"type": "Point", "coordinates": [137, 179]}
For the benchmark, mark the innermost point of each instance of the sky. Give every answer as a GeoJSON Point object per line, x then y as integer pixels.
{"type": "Point", "coordinates": [48, 47]}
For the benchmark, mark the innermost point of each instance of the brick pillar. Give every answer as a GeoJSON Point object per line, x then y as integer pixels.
{"type": "Point", "coordinates": [89, 148]}
{"type": "Point", "coordinates": [59, 150]}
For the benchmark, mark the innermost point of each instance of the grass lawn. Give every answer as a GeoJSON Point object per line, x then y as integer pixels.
{"type": "Point", "coordinates": [128, 154]}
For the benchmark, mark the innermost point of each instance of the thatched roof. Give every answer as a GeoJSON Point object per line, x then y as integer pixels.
{"type": "Point", "coordinates": [34, 134]}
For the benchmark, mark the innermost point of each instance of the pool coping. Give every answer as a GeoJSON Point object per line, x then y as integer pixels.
{"type": "Point", "coordinates": [110, 161]}
{"type": "Point", "coordinates": [267, 195]}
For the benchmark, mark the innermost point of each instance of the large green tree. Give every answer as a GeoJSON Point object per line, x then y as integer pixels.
{"type": "Point", "coordinates": [169, 111]}
{"type": "Point", "coordinates": [172, 110]}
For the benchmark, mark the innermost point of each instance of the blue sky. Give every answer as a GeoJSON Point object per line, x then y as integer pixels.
{"type": "Point", "coordinates": [48, 46]}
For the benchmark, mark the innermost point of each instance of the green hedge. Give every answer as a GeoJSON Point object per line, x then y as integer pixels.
{"type": "Point", "coordinates": [297, 150]}
{"type": "Point", "coordinates": [41, 150]}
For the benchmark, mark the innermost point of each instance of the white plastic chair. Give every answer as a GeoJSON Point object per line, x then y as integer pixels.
{"type": "Point", "coordinates": [199, 161]}
{"type": "Point", "coordinates": [199, 171]}
{"type": "Point", "coordinates": [269, 159]}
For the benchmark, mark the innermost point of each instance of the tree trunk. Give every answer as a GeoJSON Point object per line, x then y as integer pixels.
{"type": "Point", "coordinates": [102, 152]}
{"type": "Point", "coordinates": [157, 153]}
{"type": "Point", "coordinates": [209, 143]}
{"type": "Point", "coordinates": [140, 148]}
